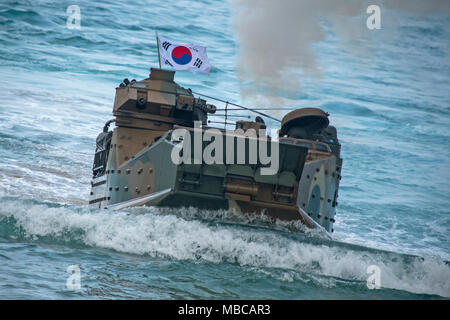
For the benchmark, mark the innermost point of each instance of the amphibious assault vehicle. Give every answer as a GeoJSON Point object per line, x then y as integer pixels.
{"type": "Point", "coordinates": [138, 162]}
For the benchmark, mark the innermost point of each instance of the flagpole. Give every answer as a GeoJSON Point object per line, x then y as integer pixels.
{"type": "Point", "coordinates": [157, 44]}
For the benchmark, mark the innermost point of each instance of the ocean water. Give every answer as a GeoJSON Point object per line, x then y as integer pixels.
{"type": "Point", "coordinates": [388, 97]}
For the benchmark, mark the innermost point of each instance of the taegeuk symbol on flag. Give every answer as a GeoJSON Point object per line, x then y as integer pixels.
{"type": "Point", "coordinates": [183, 56]}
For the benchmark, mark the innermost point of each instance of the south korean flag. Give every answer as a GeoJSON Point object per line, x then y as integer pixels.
{"type": "Point", "coordinates": [183, 56]}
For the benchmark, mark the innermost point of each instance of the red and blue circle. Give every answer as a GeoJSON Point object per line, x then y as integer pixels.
{"type": "Point", "coordinates": [181, 55]}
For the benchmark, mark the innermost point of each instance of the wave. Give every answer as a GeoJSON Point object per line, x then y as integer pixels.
{"type": "Point", "coordinates": [184, 234]}
{"type": "Point", "coordinates": [14, 13]}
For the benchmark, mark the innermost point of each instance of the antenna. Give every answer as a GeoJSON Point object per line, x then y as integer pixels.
{"type": "Point", "coordinates": [157, 45]}
{"type": "Point", "coordinates": [231, 115]}
{"type": "Point", "coordinates": [237, 105]}
{"type": "Point", "coordinates": [222, 122]}
{"type": "Point", "coordinates": [274, 109]}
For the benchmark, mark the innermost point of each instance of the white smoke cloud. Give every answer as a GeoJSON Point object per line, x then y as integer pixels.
{"type": "Point", "coordinates": [276, 38]}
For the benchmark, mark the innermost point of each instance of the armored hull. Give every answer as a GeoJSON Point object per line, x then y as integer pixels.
{"type": "Point", "coordinates": [134, 163]}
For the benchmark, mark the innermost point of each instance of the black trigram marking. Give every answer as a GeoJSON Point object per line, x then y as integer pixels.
{"type": "Point", "coordinates": [167, 62]}
{"type": "Point", "coordinates": [166, 45]}
{"type": "Point", "coordinates": [198, 63]}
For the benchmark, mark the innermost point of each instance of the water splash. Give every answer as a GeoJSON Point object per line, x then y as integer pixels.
{"type": "Point", "coordinates": [159, 234]}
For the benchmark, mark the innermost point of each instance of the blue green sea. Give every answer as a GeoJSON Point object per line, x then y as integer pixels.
{"type": "Point", "coordinates": [388, 96]}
